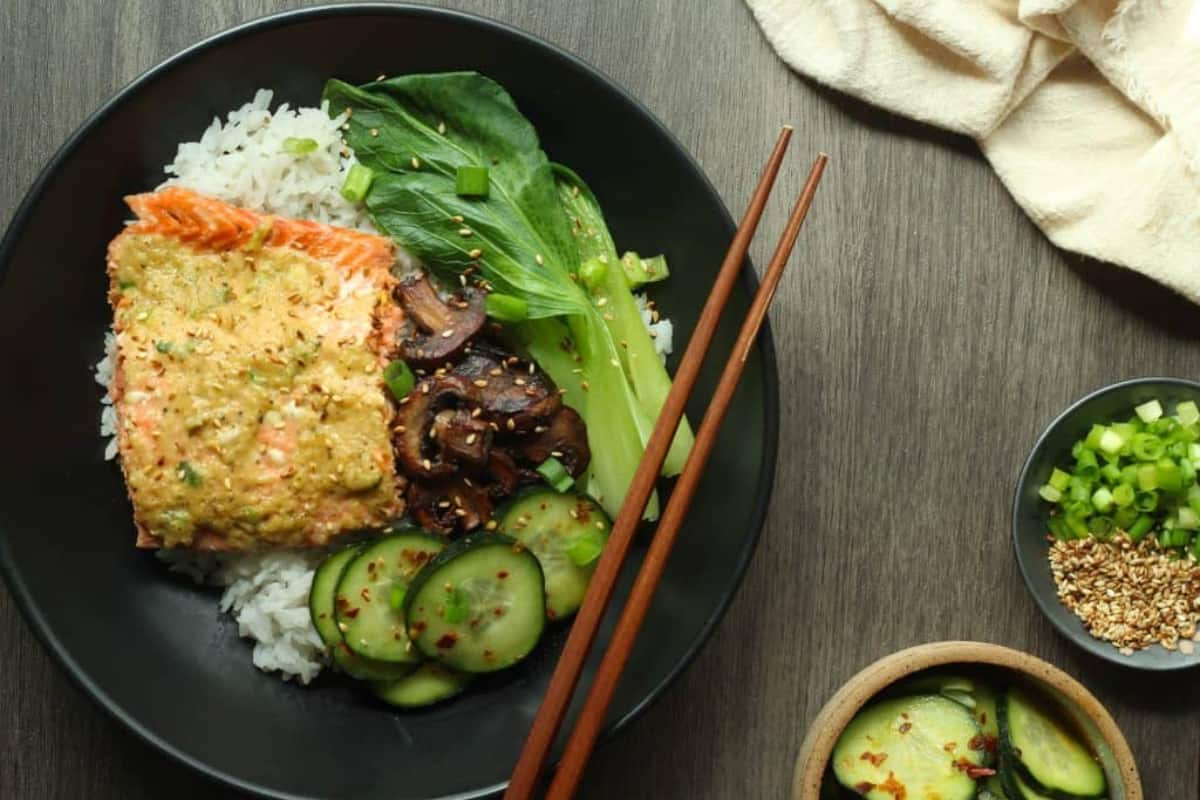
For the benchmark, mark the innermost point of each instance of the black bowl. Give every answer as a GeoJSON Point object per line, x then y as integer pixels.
{"type": "Point", "coordinates": [152, 649]}
{"type": "Point", "coordinates": [1030, 512]}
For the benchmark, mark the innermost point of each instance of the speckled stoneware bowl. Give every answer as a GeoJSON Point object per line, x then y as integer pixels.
{"type": "Point", "coordinates": [1102, 733]}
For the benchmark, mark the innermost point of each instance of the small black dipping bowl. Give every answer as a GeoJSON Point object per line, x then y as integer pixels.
{"type": "Point", "coordinates": [1030, 512]}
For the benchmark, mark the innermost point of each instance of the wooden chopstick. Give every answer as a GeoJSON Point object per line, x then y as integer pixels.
{"type": "Point", "coordinates": [550, 714]}
{"type": "Point", "coordinates": [591, 718]}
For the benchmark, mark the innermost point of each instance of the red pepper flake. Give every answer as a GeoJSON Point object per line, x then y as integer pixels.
{"type": "Point", "coordinates": [498, 611]}
{"type": "Point", "coordinates": [950, 747]}
{"type": "Point", "coordinates": [488, 655]}
{"type": "Point", "coordinates": [416, 629]}
{"type": "Point", "coordinates": [875, 758]}
{"type": "Point", "coordinates": [351, 612]}
{"type": "Point", "coordinates": [342, 602]}
{"type": "Point", "coordinates": [502, 574]}
{"type": "Point", "coordinates": [448, 640]}
{"type": "Point", "coordinates": [973, 771]}
{"type": "Point", "coordinates": [905, 727]}
{"type": "Point", "coordinates": [893, 787]}
{"type": "Point", "coordinates": [984, 742]}
{"type": "Point", "coordinates": [365, 594]}
{"type": "Point", "coordinates": [863, 787]}
{"type": "Point", "coordinates": [983, 718]}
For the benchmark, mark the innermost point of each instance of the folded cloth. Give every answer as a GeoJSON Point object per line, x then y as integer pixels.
{"type": "Point", "coordinates": [1088, 110]}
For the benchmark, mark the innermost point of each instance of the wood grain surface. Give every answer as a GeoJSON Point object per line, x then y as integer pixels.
{"type": "Point", "coordinates": [926, 335]}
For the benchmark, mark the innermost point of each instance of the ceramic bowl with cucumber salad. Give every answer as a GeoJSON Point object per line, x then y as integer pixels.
{"type": "Point", "coordinates": [1106, 523]}
{"type": "Point", "coordinates": [964, 721]}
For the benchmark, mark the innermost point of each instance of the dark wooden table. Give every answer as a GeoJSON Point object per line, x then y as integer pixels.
{"type": "Point", "coordinates": [925, 337]}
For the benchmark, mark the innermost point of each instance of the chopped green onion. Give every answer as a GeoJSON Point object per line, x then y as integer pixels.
{"type": "Point", "coordinates": [506, 307]}
{"type": "Point", "coordinates": [456, 607]}
{"type": "Point", "coordinates": [299, 147]}
{"type": "Point", "coordinates": [1187, 412]}
{"type": "Point", "coordinates": [1102, 500]}
{"type": "Point", "coordinates": [399, 379]}
{"type": "Point", "coordinates": [1060, 479]}
{"type": "Point", "coordinates": [1179, 538]}
{"type": "Point", "coordinates": [555, 474]}
{"type": "Point", "coordinates": [1149, 411]}
{"type": "Point", "coordinates": [1169, 479]}
{"type": "Point", "coordinates": [1100, 526]}
{"type": "Point", "coordinates": [585, 548]}
{"type": "Point", "coordinates": [1059, 529]}
{"type": "Point", "coordinates": [358, 181]}
{"type": "Point", "coordinates": [1111, 442]}
{"type": "Point", "coordinates": [1187, 519]}
{"type": "Point", "coordinates": [1147, 477]}
{"type": "Point", "coordinates": [1111, 473]}
{"type": "Point", "coordinates": [592, 273]}
{"type": "Point", "coordinates": [396, 601]}
{"type": "Point", "coordinates": [162, 347]}
{"type": "Point", "coordinates": [1050, 494]}
{"type": "Point", "coordinates": [1092, 441]}
{"type": "Point", "coordinates": [1125, 517]}
{"type": "Point", "coordinates": [1146, 500]}
{"type": "Point", "coordinates": [471, 181]}
{"type": "Point", "coordinates": [1140, 527]}
{"type": "Point", "coordinates": [1123, 494]}
{"type": "Point", "coordinates": [1147, 447]}
{"type": "Point", "coordinates": [188, 474]}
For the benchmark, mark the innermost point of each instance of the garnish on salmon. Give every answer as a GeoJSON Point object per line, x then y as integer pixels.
{"type": "Point", "coordinates": [248, 386]}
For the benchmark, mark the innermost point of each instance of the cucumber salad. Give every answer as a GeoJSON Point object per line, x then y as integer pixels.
{"type": "Point", "coordinates": [958, 738]}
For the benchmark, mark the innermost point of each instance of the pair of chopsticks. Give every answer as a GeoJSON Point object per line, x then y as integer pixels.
{"type": "Point", "coordinates": [526, 775]}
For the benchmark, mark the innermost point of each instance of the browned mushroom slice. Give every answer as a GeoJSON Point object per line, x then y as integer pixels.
{"type": "Point", "coordinates": [462, 437]}
{"type": "Point", "coordinates": [511, 395]}
{"type": "Point", "coordinates": [564, 438]}
{"type": "Point", "coordinates": [502, 473]}
{"type": "Point", "coordinates": [418, 449]}
{"type": "Point", "coordinates": [449, 504]}
{"type": "Point", "coordinates": [435, 331]}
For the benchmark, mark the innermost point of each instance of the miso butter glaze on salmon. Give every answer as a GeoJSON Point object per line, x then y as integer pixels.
{"type": "Point", "coordinates": [248, 386]}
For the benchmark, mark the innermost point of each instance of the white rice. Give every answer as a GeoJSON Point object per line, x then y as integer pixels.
{"type": "Point", "coordinates": [662, 332]}
{"type": "Point", "coordinates": [267, 594]}
{"type": "Point", "coordinates": [242, 161]}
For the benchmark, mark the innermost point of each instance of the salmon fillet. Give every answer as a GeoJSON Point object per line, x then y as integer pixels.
{"type": "Point", "coordinates": [251, 407]}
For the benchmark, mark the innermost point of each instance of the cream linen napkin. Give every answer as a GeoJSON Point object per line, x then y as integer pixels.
{"type": "Point", "coordinates": [1088, 110]}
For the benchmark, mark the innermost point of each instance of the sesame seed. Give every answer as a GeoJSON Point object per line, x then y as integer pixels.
{"type": "Point", "coordinates": [602, 302]}
{"type": "Point", "coordinates": [427, 464]}
{"type": "Point", "coordinates": [464, 232]}
{"type": "Point", "coordinates": [538, 258]}
{"type": "Point", "coordinates": [519, 381]}
{"type": "Point", "coordinates": [609, 317]}
{"type": "Point", "coordinates": [416, 162]}
{"type": "Point", "coordinates": [510, 424]}
{"type": "Point", "coordinates": [471, 438]}
{"type": "Point", "coordinates": [457, 218]}
{"type": "Point", "coordinates": [481, 383]}
{"type": "Point", "coordinates": [374, 131]}
{"type": "Point", "coordinates": [491, 525]}
{"type": "Point", "coordinates": [475, 253]}
{"type": "Point", "coordinates": [446, 334]}
{"type": "Point", "coordinates": [442, 128]}
{"type": "Point", "coordinates": [583, 385]}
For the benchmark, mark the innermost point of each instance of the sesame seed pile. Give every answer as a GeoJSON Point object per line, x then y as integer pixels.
{"type": "Point", "coordinates": [1131, 595]}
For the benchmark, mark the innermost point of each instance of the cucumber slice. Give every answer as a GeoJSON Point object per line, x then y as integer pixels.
{"type": "Point", "coordinates": [1048, 756]}
{"type": "Point", "coordinates": [430, 683]}
{"type": "Point", "coordinates": [320, 596]}
{"type": "Point", "coordinates": [993, 789]}
{"type": "Point", "coordinates": [368, 603]}
{"type": "Point", "coordinates": [909, 746]}
{"type": "Point", "coordinates": [320, 607]}
{"type": "Point", "coordinates": [479, 606]}
{"type": "Point", "coordinates": [978, 697]}
{"type": "Point", "coordinates": [1015, 786]}
{"type": "Point", "coordinates": [566, 532]}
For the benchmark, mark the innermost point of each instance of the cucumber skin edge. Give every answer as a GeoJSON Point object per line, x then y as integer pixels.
{"type": "Point", "coordinates": [1010, 753]}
